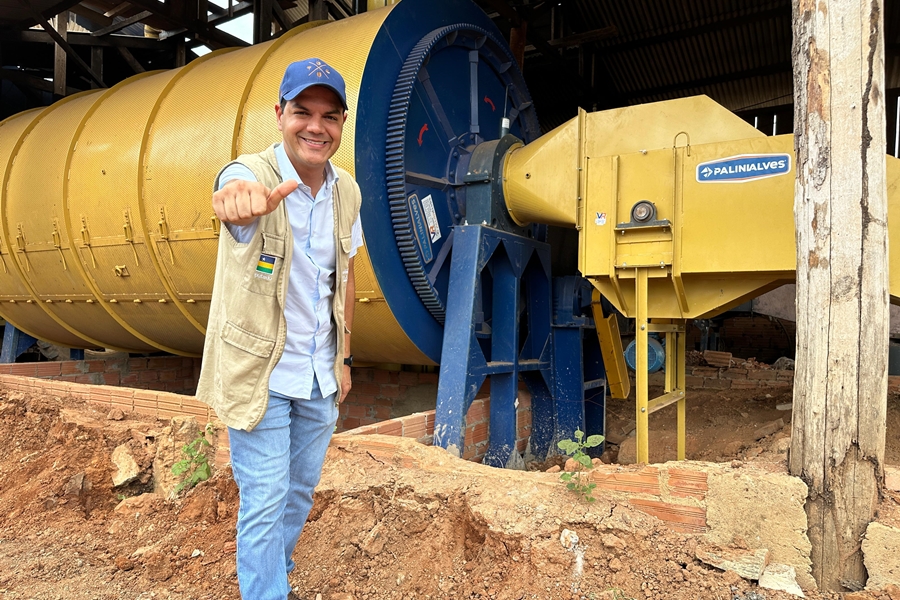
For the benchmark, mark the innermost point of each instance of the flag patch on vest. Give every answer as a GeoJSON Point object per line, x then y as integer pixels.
{"type": "Point", "coordinates": [266, 264]}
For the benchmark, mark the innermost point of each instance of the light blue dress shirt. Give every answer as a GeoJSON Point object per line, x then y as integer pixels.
{"type": "Point", "coordinates": [311, 344]}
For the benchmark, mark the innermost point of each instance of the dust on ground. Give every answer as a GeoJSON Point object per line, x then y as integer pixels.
{"type": "Point", "coordinates": [378, 530]}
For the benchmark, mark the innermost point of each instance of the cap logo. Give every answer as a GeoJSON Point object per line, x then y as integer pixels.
{"type": "Point", "coordinates": [318, 69]}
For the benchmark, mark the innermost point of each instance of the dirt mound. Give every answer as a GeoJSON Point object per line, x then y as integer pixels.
{"type": "Point", "coordinates": [380, 529]}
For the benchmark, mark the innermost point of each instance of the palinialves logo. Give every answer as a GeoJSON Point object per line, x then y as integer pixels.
{"type": "Point", "coordinates": [743, 168]}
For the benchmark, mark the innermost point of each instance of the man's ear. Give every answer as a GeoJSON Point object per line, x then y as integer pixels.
{"type": "Point", "coordinates": [345, 118]}
{"type": "Point", "coordinates": [278, 116]}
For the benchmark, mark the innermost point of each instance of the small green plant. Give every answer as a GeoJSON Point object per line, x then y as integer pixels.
{"type": "Point", "coordinates": [575, 481]}
{"type": "Point", "coordinates": [194, 467]}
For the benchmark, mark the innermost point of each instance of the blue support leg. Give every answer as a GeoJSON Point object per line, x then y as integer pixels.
{"type": "Point", "coordinates": [15, 342]}
{"type": "Point", "coordinates": [461, 355]}
{"type": "Point", "coordinates": [504, 350]}
{"type": "Point", "coordinates": [488, 270]}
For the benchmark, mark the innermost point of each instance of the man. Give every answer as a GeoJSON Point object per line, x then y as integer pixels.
{"type": "Point", "coordinates": [276, 362]}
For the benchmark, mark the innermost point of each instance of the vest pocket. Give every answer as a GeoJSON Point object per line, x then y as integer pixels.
{"type": "Point", "coordinates": [346, 243]}
{"type": "Point", "coordinates": [248, 342]}
{"type": "Point", "coordinates": [261, 277]}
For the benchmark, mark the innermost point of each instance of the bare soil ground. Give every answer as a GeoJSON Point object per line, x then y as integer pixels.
{"type": "Point", "coordinates": [379, 530]}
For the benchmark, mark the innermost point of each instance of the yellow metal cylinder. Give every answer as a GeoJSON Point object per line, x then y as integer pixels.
{"type": "Point", "coordinates": [108, 236]}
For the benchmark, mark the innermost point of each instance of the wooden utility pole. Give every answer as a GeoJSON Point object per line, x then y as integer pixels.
{"type": "Point", "coordinates": [840, 210]}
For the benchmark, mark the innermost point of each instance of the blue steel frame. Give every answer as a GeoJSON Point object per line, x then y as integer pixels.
{"type": "Point", "coordinates": [500, 294]}
{"type": "Point", "coordinates": [488, 272]}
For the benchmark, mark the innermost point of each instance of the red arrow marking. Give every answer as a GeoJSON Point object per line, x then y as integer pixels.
{"type": "Point", "coordinates": [422, 131]}
{"type": "Point", "coordinates": [488, 100]}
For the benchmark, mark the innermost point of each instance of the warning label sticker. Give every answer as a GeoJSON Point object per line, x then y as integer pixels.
{"type": "Point", "coordinates": [434, 228]}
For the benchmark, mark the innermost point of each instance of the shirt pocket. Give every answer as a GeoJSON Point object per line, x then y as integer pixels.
{"type": "Point", "coordinates": [261, 276]}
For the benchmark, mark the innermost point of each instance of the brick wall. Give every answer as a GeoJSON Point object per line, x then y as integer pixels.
{"type": "Point", "coordinates": [163, 373]}
{"type": "Point", "coordinates": [765, 338]}
{"type": "Point", "coordinates": [367, 409]}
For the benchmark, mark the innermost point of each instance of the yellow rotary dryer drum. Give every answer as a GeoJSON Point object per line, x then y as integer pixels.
{"type": "Point", "coordinates": [107, 236]}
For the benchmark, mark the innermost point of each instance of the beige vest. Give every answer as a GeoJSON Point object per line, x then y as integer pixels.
{"type": "Point", "coordinates": [246, 330]}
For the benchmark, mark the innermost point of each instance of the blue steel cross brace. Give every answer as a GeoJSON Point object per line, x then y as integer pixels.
{"type": "Point", "coordinates": [485, 315]}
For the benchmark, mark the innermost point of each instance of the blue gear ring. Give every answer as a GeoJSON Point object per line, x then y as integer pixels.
{"type": "Point", "coordinates": [495, 55]}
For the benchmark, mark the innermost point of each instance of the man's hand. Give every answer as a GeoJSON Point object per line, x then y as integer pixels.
{"type": "Point", "coordinates": [242, 202]}
{"type": "Point", "coordinates": [346, 384]}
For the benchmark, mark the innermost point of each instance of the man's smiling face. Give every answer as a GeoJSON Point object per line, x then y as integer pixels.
{"type": "Point", "coordinates": [311, 125]}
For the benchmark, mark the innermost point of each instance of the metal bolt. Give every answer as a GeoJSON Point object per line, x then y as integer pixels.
{"type": "Point", "coordinates": [643, 409]}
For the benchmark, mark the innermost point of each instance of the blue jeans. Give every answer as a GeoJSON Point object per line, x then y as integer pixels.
{"type": "Point", "coordinates": [276, 466]}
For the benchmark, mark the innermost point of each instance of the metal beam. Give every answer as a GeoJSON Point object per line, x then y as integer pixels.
{"type": "Point", "coordinates": [122, 24]}
{"type": "Point", "coordinates": [49, 12]}
{"type": "Point", "coordinates": [585, 38]}
{"type": "Point", "coordinates": [84, 39]}
{"type": "Point", "coordinates": [131, 60]}
{"type": "Point", "coordinates": [59, 54]}
{"type": "Point", "coordinates": [22, 79]}
{"type": "Point", "coordinates": [62, 42]}
{"type": "Point", "coordinates": [204, 32]}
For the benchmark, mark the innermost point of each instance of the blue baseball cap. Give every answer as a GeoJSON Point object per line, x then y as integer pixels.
{"type": "Point", "coordinates": [305, 73]}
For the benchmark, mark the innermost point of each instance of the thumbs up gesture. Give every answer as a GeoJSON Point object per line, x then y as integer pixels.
{"type": "Point", "coordinates": [242, 202]}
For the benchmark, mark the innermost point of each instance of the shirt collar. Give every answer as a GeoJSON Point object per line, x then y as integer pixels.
{"type": "Point", "coordinates": [288, 171]}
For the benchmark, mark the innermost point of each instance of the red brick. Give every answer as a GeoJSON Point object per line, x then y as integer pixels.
{"type": "Point", "coordinates": [137, 364]}
{"type": "Point", "coordinates": [776, 384]}
{"type": "Point", "coordinates": [523, 418]}
{"type": "Point", "coordinates": [476, 413]}
{"type": "Point", "coordinates": [111, 378]}
{"type": "Point", "coordinates": [759, 374]}
{"type": "Point", "coordinates": [71, 367]}
{"type": "Point", "coordinates": [89, 379]}
{"type": "Point", "coordinates": [384, 401]}
{"type": "Point", "coordinates": [26, 369]}
{"type": "Point", "coordinates": [381, 376]}
{"type": "Point", "coordinates": [148, 376]}
{"type": "Point", "coordinates": [744, 384]}
{"type": "Point", "coordinates": [95, 366]}
{"type": "Point", "coordinates": [368, 421]}
{"type": "Point", "coordinates": [169, 375]}
{"type": "Point", "coordinates": [692, 381]}
{"type": "Point", "coordinates": [354, 410]}
{"type": "Point", "coordinates": [414, 426]}
{"type": "Point", "coordinates": [428, 378]}
{"type": "Point", "coordinates": [469, 452]}
{"type": "Point", "coordinates": [706, 372]}
{"type": "Point", "coordinates": [48, 369]}
{"type": "Point", "coordinates": [156, 385]}
{"type": "Point", "coordinates": [360, 374]}
{"type": "Point", "coordinates": [789, 376]}
{"type": "Point", "coordinates": [164, 362]}
{"type": "Point", "coordinates": [390, 390]}
{"type": "Point", "coordinates": [371, 389]}
{"type": "Point", "coordinates": [392, 427]}
{"type": "Point", "coordinates": [365, 429]}
{"type": "Point", "coordinates": [129, 379]}
{"type": "Point", "coordinates": [395, 376]}
{"type": "Point", "coordinates": [521, 445]}
{"type": "Point", "coordinates": [734, 374]}
{"type": "Point", "coordinates": [429, 422]}
{"type": "Point", "coordinates": [685, 483]}
{"type": "Point", "coordinates": [685, 519]}
{"type": "Point", "coordinates": [174, 386]}
{"type": "Point", "coordinates": [115, 364]}
{"type": "Point", "coordinates": [645, 481]}
{"type": "Point", "coordinates": [721, 384]}
{"type": "Point", "coordinates": [185, 373]}
{"type": "Point", "coordinates": [362, 398]}
{"type": "Point", "coordinates": [479, 433]}
{"type": "Point", "coordinates": [382, 412]}
{"type": "Point", "coordinates": [350, 423]}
